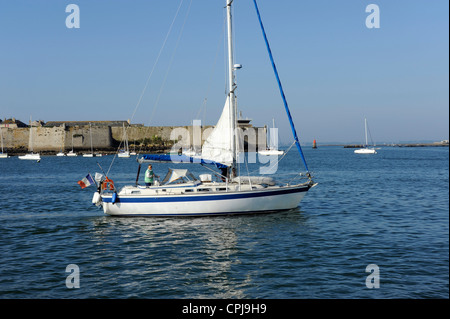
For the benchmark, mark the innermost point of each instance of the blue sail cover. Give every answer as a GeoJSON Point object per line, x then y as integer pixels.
{"type": "Point", "coordinates": [174, 158]}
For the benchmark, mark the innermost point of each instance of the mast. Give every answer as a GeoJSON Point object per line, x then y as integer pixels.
{"type": "Point", "coordinates": [31, 135]}
{"type": "Point", "coordinates": [125, 137]}
{"type": "Point", "coordinates": [90, 133]}
{"type": "Point", "coordinates": [231, 86]}
{"type": "Point", "coordinates": [365, 130]}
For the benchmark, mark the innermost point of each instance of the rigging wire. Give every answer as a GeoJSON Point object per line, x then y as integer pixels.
{"type": "Point", "coordinates": [205, 100]}
{"type": "Point", "coordinates": [170, 63]}
{"type": "Point", "coordinates": [150, 75]}
{"type": "Point", "coordinates": [370, 135]}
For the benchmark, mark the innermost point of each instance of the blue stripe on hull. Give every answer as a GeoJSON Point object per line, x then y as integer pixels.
{"type": "Point", "coordinates": [190, 198]}
{"type": "Point", "coordinates": [202, 214]}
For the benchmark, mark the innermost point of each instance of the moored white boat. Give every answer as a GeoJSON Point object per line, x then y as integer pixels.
{"type": "Point", "coordinates": [272, 148]}
{"type": "Point", "coordinates": [30, 156]}
{"type": "Point", "coordinates": [270, 152]}
{"type": "Point", "coordinates": [72, 153]}
{"type": "Point", "coordinates": [91, 154]}
{"type": "Point", "coordinates": [125, 153]}
{"type": "Point", "coordinates": [3, 154]}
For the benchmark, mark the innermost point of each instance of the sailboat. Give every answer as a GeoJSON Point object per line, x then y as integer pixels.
{"type": "Point", "coordinates": [72, 153]}
{"type": "Point", "coordinates": [125, 152]}
{"type": "Point", "coordinates": [3, 154]}
{"type": "Point", "coordinates": [272, 149]}
{"type": "Point", "coordinates": [366, 149]}
{"type": "Point", "coordinates": [180, 193]}
{"type": "Point", "coordinates": [91, 154]}
{"type": "Point", "coordinates": [31, 156]}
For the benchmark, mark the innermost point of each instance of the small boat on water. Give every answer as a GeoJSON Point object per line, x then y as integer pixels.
{"type": "Point", "coordinates": [31, 156]}
{"type": "Point", "coordinates": [91, 154]}
{"type": "Point", "coordinates": [72, 153]}
{"type": "Point", "coordinates": [3, 154]}
{"type": "Point", "coordinates": [125, 153]}
{"type": "Point", "coordinates": [222, 192]}
{"type": "Point", "coordinates": [272, 149]}
{"type": "Point", "coordinates": [366, 149]}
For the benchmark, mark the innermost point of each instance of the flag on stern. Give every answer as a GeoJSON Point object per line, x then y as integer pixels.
{"type": "Point", "coordinates": [87, 181]}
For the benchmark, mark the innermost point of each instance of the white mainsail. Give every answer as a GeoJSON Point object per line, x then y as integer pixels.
{"type": "Point", "coordinates": [218, 147]}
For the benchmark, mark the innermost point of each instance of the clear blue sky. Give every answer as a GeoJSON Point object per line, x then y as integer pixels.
{"type": "Point", "coordinates": [334, 69]}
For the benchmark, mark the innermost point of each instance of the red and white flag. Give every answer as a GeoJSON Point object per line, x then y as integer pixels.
{"type": "Point", "coordinates": [87, 181]}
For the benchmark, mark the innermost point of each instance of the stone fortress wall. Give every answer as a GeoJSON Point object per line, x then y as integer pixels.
{"type": "Point", "coordinates": [106, 136]}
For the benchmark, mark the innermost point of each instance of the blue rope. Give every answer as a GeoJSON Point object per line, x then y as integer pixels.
{"type": "Point", "coordinates": [281, 88]}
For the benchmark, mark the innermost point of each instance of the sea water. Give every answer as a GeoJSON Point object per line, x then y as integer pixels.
{"type": "Point", "coordinates": [375, 226]}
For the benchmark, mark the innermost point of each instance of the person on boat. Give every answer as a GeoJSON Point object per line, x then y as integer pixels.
{"type": "Point", "coordinates": [150, 176]}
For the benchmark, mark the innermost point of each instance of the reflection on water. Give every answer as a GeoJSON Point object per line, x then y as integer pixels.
{"type": "Point", "coordinates": [207, 254]}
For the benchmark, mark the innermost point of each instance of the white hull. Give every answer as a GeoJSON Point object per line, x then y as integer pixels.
{"type": "Point", "coordinates": [270, 152]}
{"type": "Point", "coordinates": [72, 154]}
{"type": "Point", "coordinates": [33, 157]}
{"type": "Point", "coordinates": [88, 155]}
{"type": "Point", "coordinates": [4, 155]}
{"type": "Point", "coordinates": [201, 204]}
{"type": "Point", "coordinates": [60, 154]}
{"type": "Point", "coordinates": [124, 154]}
{"type": "Point", "coordinates": [366, 151]}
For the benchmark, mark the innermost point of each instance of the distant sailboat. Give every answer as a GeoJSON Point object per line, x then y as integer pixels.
{"type": "Point", "coordinates": [125, 152]}
{"type": "Point", "coordinates": [134, 150]}
{"type": "Point", "coordinates": [61, 152]}
{"type": "Point", "coordinates": [2, 154]}
{"type": "Point", "coordinates": [366, 149]}
{"type": "Point", "coordinates": [31, 156]}
{"type": "Point", "coordinates": [272, 149]}
{"type": "Point", "coordinates": [72, 153]}
{"type": "Point", "coordinates": [91, 154]}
